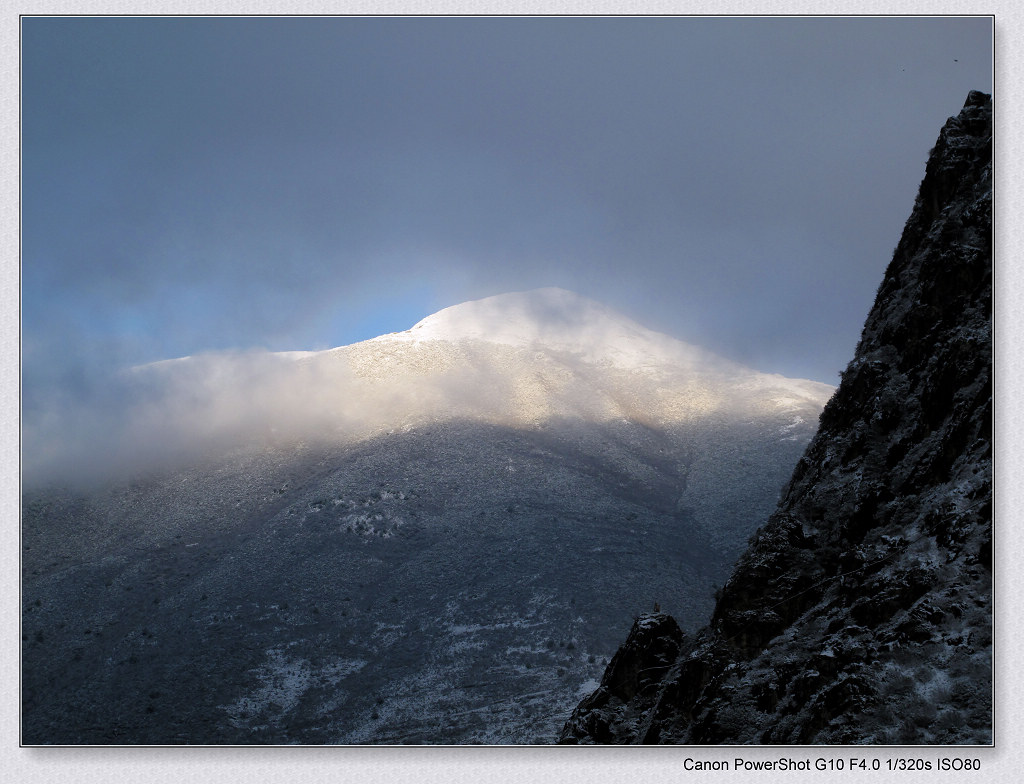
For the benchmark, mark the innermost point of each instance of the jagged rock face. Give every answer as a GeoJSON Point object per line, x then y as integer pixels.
{"type": "Point", "coordinates": [861, 611]}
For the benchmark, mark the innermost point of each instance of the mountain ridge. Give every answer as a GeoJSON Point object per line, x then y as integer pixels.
{"type": "Point", "coordinates": [554, 318]}
{"type": "Point", "coordinates": [543, 318]}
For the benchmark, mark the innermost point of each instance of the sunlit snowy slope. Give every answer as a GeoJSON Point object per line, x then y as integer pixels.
{"type": "Point", "coordinates": [526, 359]}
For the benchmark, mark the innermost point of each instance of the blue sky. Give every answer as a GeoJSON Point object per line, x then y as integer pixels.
{"type": "Point", "coordinates": [194, 185]}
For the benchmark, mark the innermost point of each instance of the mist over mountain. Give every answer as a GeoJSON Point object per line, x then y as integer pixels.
{"type": "Point", "coordinates": [861, 612]}
{"type": "Point", "coordinates": [515, 359]}
{"type": "Point", "coordinates": [433, 536]}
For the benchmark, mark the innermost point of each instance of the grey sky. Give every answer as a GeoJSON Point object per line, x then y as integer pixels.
{"type": "Point", "coordinates": [203, 184]}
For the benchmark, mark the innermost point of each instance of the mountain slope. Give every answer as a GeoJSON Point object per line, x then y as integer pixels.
{"type": "Point", "coordinates": [861, 612]}
{"type": "Point", "coordinates": [429, 537]}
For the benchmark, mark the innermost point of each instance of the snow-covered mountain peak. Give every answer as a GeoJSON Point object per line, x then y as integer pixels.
{"type": "Point", "coordinates": [520, 316]}
{"type": "Point", "coordinates": [553, 318]}
{"type": "Point", "coordinates": [520, 359]}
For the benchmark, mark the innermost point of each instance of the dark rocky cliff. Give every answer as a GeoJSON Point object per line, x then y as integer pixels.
{"type": "Point", "coordinates": [862, 610]}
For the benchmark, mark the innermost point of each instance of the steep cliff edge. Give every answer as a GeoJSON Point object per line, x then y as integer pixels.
{"type": "Point", "coordinates": [862, 610]}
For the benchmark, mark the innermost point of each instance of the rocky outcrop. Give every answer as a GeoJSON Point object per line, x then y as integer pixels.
{"type": "Point", "coordinates": [861, 611]}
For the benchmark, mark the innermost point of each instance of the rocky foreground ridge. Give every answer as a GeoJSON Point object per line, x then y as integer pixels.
{"type": "Point", "coordinates": [862, 610]}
